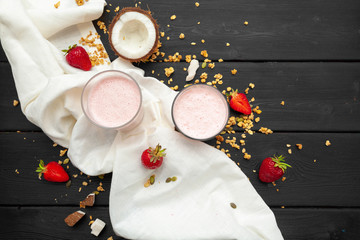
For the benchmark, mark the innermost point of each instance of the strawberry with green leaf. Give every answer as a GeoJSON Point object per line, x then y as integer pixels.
{"type": "Point", "coordinates": [52, 172]}
{"type": "Point", "coordinates": [272, 168]}
{"type": "Point", "coordinates": [152, 158]}
{"type": "Point", "coordinates": [77, 57]}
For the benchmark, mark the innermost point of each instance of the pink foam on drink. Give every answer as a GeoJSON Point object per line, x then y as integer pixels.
{"type": "Point", "coordinates": [113, 101]}
{"type": "Point", "coordinates": [200, 112]}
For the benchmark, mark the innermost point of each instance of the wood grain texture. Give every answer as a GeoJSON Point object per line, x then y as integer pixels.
{"type": "Point", "coordinates": [318, 96]}
{"type": "Point", "coordinates": [47, 223]}
{"type": "Point", "coordinates": [11, 118]}
{"type": "Point", "coordinates": [277, 30]}
{"type": "Point", "coordinates": [333, 180]}
{"type": "Point", "coordinates": [305, 53]}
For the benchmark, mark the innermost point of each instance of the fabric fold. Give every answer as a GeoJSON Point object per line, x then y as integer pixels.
{"type": "Point", "coordinates": [196, 205]}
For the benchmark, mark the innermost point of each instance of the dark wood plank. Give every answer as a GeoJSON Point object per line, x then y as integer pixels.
{"type": "Point", "coordinates": [11, 118]}
{"type": "Point", "coordinates": [333, 180]}
{"type": "Point", "coordinates": [317, 96]}
{"type": "Point", "coordinates": [3, 57]}
{"type": "Point", "coordinates": [280, 30]}
{"type": "Point", "coordinates": [47, 223]}
{"type": "Point", "coordinates": [39, 223]}
{"type": "Point", "coordinates": [23, 152]}
{"type": "Point", "coordinates": [313, 223]}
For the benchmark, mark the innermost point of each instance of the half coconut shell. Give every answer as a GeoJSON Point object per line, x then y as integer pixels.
{"type": "Point", "coordinates": [134, 34]}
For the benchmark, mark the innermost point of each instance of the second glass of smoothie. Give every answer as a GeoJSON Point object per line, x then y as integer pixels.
{"type": "Point", "coordinates": [200, 112]}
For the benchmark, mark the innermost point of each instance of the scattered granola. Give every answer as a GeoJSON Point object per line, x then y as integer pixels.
{"type": "Point", "coordinates": [282, 103]}
{"type": "Point", "coordinates": [169, 71]}
{"type": "Point", "coordinates": [56, 5]}
{"type": "Point", "coordinates": [15, 103]}
{"type": "Point", "coordinates": [197, 4]}
{"type": "Point", "coordinates": [80, 2]}
{"type": "Point", "coordinates": [102, 26]}
{"type": "Point", "coordinates": [182, 36]}
{"type": "Point", "coordinates": [62, 152]}
{"type": "Point", "coordinates": [99, 55]}
{"type": "Point", "coordinates": [327, 143]}
{"type": "Point", "coordinates": [173, 17]}
{"type": "Point", "coordinates": [204, 53]}
{"type": "Point", "coordinates": [233, 71]}
{"type": "Point", "coordinates": [246, 23]}
{"type": "Point", "coordinates": [299, 146]}
{"type": "Point", "coordinates": [265, 130]}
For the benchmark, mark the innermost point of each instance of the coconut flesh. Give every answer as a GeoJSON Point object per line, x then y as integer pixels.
{"type": "Point", "coordinates": [134, 34]}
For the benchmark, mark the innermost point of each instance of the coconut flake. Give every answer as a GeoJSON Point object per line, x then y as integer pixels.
{"type": "Point", "coordinates": [97, 227]}
{"type": "Point", "coordinates": [73, 218]}
{"type": "Point", "coordinates": [88, 201]}
{"type": "Point", "coordinates": [193, 67]}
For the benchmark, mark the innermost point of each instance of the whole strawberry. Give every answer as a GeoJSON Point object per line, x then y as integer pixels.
{"type": "Point", "coordinates": [272, 169]}
{"type": "Point", "coordinates": [52, 172]}
{"type": "Point", "coordinates": [153, 158]}
{"type": "Point", "coordinates": [77, 57]}
{"type": "Point", "coordinates": [239, 102]}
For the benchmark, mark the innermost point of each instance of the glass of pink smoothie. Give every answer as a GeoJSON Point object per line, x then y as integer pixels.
{"type": "Point", "coordinates": [112, 99]}
{"type": "Point", "coordinates": [200, 112]}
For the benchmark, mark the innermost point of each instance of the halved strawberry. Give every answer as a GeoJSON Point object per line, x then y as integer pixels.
{"type": "Point", "coordinates": [239, 102]}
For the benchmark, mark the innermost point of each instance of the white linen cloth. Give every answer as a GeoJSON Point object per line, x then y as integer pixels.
{"type": "Point", "coordinates": [196, 206]}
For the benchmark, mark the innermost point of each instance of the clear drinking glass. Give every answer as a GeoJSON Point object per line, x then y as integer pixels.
{"type": "Point", "coordinates": [200, 112]}
{"type": "Point", "coordinates": [112, 100]}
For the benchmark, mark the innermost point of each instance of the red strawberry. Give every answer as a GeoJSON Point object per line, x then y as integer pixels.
{"type": "Point", "coordinates": [272, 169]}
{"type": "Point", "coordinates": [153, 158]}
{"type": "Point", "coordinates": [239, 102]}
{"type": "Point", "coordinates": [53, 172]}
{"type": "Point", "coordinates": [77, 57]}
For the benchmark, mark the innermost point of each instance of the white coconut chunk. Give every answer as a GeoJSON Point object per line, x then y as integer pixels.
{"type": "Point", "coordinates": [193, 67]}
{"type": "Point", "coordinates": [133, 35]}
{"type": "Point", "coordinates": [97, 226]}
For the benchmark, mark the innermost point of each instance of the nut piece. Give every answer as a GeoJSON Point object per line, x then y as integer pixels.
{"type": "Point", "coordinates": [73, 218]}
{"type": "Point", "coordinates": [327, 143]}
{"type": "Point", "coordinates": [88, 201]}
{"type": "Point", "coordinates": [97, 227]}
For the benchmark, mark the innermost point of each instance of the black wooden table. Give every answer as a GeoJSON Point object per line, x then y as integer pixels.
{"type": "Point", "coordinates": [305, 53]}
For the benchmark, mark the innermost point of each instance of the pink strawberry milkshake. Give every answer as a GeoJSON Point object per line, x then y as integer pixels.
{"type": "Point", "coordinates": [112, 99]}
{"type": "Point", "coordinates": [200, 112]}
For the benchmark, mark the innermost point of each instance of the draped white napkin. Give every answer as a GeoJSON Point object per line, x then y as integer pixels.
{"type": "Point", "coordinates": [196, 206]}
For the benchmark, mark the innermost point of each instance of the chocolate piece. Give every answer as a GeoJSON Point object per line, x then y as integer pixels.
{"type": "Point", "coordinates": [73, 218]}
{"type": "Point", "coordinates": [88, 201]}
